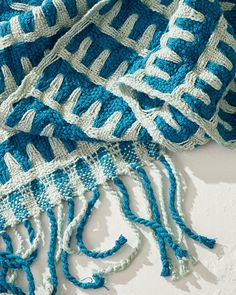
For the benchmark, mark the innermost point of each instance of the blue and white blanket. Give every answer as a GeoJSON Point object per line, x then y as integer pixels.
{"type": "Point", "coordinates": [91, 90]}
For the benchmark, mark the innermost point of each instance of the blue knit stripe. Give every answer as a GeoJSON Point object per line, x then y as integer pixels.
{"type": "Point", "coordinates": [85, 173]}
{"type": "Point", "coordinates": [62, 183]}
{"type": "Point", "coordinates": [107, 163]}
{"type": "Point", "coordinates": [16, 201]}
{"type": "Point", "coordinates": [61, 178]}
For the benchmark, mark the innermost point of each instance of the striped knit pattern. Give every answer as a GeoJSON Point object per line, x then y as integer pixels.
{"type": "Point", "coordinates": [91, 90]}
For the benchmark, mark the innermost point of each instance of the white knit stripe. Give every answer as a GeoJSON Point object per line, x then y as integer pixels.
{"type": "Point", "coordinates": [13, 166]}
{"type": "Point", "coordinates": [133, 129]}
{"type": "Point", "coordinates": [168, 54]}
{"type": "Point", "coordinates": [227, 37]}
{"type": "Point", "coordinates": [121, 69]}
{"type": "Point", "coordinates": [48, 130]}
{"type": "Point", "coordinates": [7, 213]}
{"type": "Point", "coordinates": [99, 62]}
{"type": "Point", "coordinates": [147, 117]}
{"type": "Point", "coordinates": [58, 147]}
{"type": "Point", "coordinates": [200, 71]}
{"type": "Point", "coordinates": [179, 33]}
{"type": "Point", "coordinates": [153, 70]}
{"type": "Point", "coordinates": [109, 16]}
{"type": "Point", "coordinates": [69, 105]}
{"type": "Point", "coordinates": [81, 68]}
{"type": "Point", "coordinates": [145, 40]}
{"type": "Point", "coordinates": [21, 6]}
{"type": "Point", "coordinates": [163, 9]}
{"type": "Point", "coordinates": [188, 12]}
{"type": "Point", "coordinates": [34, 155]}
{"type": "Point", "coordinates": [82, 7]}
{"type": "Point", "coordinates": [87, 119]}
{"type": "Point", "coordinates": [226, 125]}
{"type": "Point", "coordinates": [219, 58]}
{"type": "Point", "coordinates": [8, 82]}
{"type": "Point", "coordinates": [29, 201]}
{"type": "Point", "coordinates": [226, 107]}
{"type": "Point", "coordinates": [227, 6]}
{"type": "Point", "coordinates": [200, 94]}
{"type": "Point", "coordinates": [166, 115]}
{"type": "Point", "coordinates": [26, 64]}
{"type": "Point", "coordinates": [127, 26]}
{"type": "Point", "coordinates": [6, 134]}
{"type": "Point", "coordinates": [41, 27]}
{"type": "Point", "coordinates": [210, 79]}
{"type": "Point", "coordinates": [81, 51]}
{"type": "Point", "coordinates": [26, 121]}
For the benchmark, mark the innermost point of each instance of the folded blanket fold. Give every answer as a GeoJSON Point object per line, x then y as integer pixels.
{"type": "Point", "coordinates": [92, 90]}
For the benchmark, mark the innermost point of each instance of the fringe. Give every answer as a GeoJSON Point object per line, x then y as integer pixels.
{"type": "Point", "coordinates": [174, 257]}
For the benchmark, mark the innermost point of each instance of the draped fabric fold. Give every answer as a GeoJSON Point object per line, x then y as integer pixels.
{"type": "Point", "coordinates": [91, 90]}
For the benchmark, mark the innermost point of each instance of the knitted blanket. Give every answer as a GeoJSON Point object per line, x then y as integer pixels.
{"type": "Point", "coordinates": [89, 91]}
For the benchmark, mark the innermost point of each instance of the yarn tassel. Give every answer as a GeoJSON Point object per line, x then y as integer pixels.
{"type": "Point", "coordinates": [52, 251]}
{"type": "Point", "coordinates": [156, 216]}
{"type": "Point", "coordinates": [5, 286]}
{"type": "Point", "coordinates": [79, 236]}
{"type": "Point", "coordinates": [210, 243]}
{"type": "Point", "coordinates": [98, 280]}
{"type": "Point", "coordinates": [125, 262]}
{"type": "Point", "coordinates": [60, 243]}
{"type": "Point", "coordinates": [9, 261]}
{"type": "Point", "coordinates": [162, 235]}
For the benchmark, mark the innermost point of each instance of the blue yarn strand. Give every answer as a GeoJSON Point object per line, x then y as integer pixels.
{"type": "Point", "coordinates": [7, 240]}
{"type": "Point", "coordinates": [31, 234]}
{"type": "Point", "coordinates": [5, 286]}
{"type": "Point", "coordinates": [179, 251]}
{"type": "Point", "coordinates": [148, 223]}
{"type": "Point", "coordinates": [79, 236]}
{"type": "Point", "coordinates": [52, 250]}
{"type": "Point", "coordinates": [9, 260]}
{"type": "Point", "coordinates": [156, 216]}
{"type": "Point", "coordinates": [98, 280]}
{"type": "Point", "coordinates": [210, 243]}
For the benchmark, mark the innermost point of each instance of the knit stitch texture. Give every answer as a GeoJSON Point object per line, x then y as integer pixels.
{"type": "Point", "coordinates": [91, 90]}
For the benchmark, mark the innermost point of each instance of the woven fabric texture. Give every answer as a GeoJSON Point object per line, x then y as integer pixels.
{"type": "Point", "coordinates": [91, 90]}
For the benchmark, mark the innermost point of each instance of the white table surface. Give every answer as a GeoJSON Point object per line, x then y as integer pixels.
{"type": "Point", "coordinates": [210, 208]}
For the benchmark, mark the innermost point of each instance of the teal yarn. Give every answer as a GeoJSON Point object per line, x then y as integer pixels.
{"type": "Point", "coordinates": [98, 280]}
{"type": "Point", "coordinates": [90, 91]}
{"type": "Point", "coordinates": [10, 261]}
{"type": "Point", "coordinates": [13, 261]}
{"type": "Point", "coordinates": [210, 243]}
{"type": "Point", "coordinates": [156, 226]}
{"type": "Point", "coordinates": [52, 250]}
{"type": "Point", "coordinates": [79, 236]}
